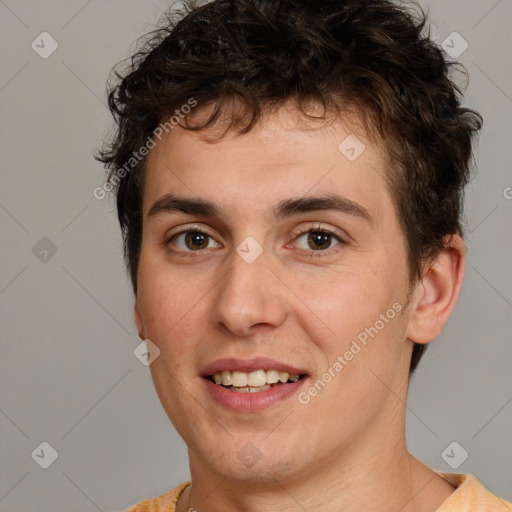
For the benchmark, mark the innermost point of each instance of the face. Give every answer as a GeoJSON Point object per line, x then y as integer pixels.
{"type": "Point", "coordinates": [277, 251]}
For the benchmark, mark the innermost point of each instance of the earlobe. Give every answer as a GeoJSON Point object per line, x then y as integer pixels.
{"type": "Point", "coordinates": [138, 321]}
{"type": "Point", "coordinates": [437, 293]}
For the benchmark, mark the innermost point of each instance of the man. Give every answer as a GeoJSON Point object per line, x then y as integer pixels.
{"type": "Point", "coordinates": [289, 180]}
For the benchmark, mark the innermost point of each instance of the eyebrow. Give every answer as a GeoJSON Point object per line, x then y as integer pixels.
{"type": "Point", "coordinates": [286, 208]}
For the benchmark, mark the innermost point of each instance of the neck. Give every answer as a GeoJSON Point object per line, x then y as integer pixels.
{"type": "Point", "coordinates": [383, 477]}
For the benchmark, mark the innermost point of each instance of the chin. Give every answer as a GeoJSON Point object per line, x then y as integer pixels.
{"type": "Point", "coordinates": [264, 472]}
{"type": "Point", "coordinates": [256, 459]}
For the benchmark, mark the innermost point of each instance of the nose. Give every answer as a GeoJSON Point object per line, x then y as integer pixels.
{"type": "Point", "coordinates": [249, 297]}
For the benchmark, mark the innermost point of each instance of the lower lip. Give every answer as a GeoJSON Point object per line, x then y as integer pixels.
{"type": "Point", "coordinates": [252, 402]}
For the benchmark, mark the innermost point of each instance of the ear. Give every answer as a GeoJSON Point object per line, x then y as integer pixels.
{"type": "Point", "coordinates": [436, 295]}
{"type": "Point", "coordinates": [138, 321]}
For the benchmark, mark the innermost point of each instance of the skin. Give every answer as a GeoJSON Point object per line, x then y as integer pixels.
{"type": "Point", "coordinates": [345, 449]}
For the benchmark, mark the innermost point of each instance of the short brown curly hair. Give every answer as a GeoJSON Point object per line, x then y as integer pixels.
{"type": "Point", "coordinates": [367, 56]}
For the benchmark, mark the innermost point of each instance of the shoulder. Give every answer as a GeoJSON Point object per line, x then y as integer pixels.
{"type": "Point", "coordinates": [164, 503]}
{"type": "Point", "coordinates": [470, 495]}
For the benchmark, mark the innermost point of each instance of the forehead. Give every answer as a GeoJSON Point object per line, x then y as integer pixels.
{"type": "Point", "coordinates": [282, 156]}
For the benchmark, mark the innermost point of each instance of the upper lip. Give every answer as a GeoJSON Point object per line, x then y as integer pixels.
{"type": "Point", "coordinates": [249, 365]}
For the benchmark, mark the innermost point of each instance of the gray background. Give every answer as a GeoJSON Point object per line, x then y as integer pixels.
{"type": "Point", "coordinates": [68, 373]}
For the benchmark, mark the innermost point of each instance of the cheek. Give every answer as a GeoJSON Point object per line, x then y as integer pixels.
{"type": "Point", "coordinates": [346, 301]}
{"type": "Point", "coordinates": [360, 354]}
{"type": "Point", "coordinates": [355, 315]}
{"type": "Point", "coordinates": [169, 306]}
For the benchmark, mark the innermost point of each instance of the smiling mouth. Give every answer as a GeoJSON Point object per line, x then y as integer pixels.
{"type": "Point", "coordinates": [253, 382]}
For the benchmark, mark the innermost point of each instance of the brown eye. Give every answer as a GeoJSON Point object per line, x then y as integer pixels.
{"type": "Point", "coordinates": [319, 240]}
{"type": "Point", "coordinates": [196, 240]}
{"type": "Point", "coordinates": [192, 241]}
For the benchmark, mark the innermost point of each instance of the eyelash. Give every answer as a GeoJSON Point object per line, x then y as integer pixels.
{"type": "Point", "coordinates": [303, 231]}
{"type": "Point", "coordinates": [319, 229]}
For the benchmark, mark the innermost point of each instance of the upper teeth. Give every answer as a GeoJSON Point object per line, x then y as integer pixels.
{"type": "Point", "coordinates": [254, 379]}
